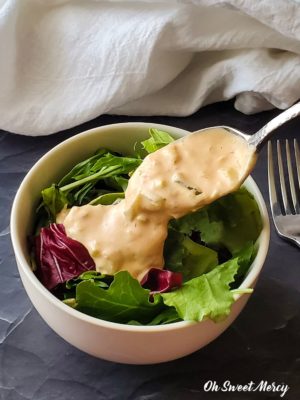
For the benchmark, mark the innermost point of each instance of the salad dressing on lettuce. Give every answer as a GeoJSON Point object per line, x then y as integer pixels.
{"type": "Point", "coordinates": [177, 179]}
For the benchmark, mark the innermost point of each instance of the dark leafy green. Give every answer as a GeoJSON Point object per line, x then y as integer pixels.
{"type": "Point", "coordinates": [184, 255]}
{"type": "Point", "coordinates": [53, 201]}
{"type": "Point", "coordinates": [167, 316]}
{"type": "Point", "coordinates": [232, 221]}
{"type": "Point", "coordinates": [101, 179]}
{"type": "Point", "coordinates": [99, 279]}
{"type": "Point", "coordinates": [107, 166]}
{"type": "Point", "coordinates": [125, 300]}
{"type": "Point", "coordinates": [118, 183]}
{"type": "Point", "coordinates": [82, 168]}
{"type": "Point", "coordinates": [107, 198]}
{"type": "Point", "coordinates": [245, 258]}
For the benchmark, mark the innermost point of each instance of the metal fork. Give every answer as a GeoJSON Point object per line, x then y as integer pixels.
{"type": "Point", "coordinates": [284, 197]}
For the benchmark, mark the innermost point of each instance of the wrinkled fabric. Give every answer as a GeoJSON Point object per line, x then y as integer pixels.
{"type": "Point", "coordinates": [65, 62]}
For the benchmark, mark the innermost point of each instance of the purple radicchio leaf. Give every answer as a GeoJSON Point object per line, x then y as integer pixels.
{"type": "Point", "coordinates": [59, 257]}
{"type": "Point", "coordinates": [161, 280]}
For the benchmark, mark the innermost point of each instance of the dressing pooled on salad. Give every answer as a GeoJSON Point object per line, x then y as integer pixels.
{"type": "Point", "coordinates": [177, 179]}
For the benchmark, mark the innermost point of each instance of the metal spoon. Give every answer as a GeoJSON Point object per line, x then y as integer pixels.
{"type": "Point", "coordinates": [259, 138]}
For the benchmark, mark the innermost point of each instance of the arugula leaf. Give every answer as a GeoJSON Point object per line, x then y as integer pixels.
{"type": "Point", "coordinates": [43, 219]}
{"type": "Point", "coordinates": [107, 166]}
{"type": "Point", "coordinates": [133, 322]}
{"type": "Point", "coordinates": [184, 255]}
{"type": "Point", "coordinates": [187, 224]}
{"type": "Point", "coordinates": [82, 167]}
{"type": "Point", "coordinates": [53, 201]}
{"type": "Point", "coordinates": [174, 251]}
{"type": "Point", "coordinates": [107, 198]}
{"type": "Point", "coordinates": [68, 290]}
{"type": "Point", "coordinates": [199, 221]}
{"type": "Point", "coordinates": [242, 220]}
{"type": "Point", "coordinates": [70, 301]}
{"type": "Point", "coordinates": [80, 185]}
{"type": "Point", "coordinates": [208, 295]}
{"type": "Point", "coordinates": [166, 317]}
{"type": "Point", "coordinates": [99, 279]}
{"type": "Point", "coordinates": [157, 140]}
{"type": "Point", "coordinates": [117, 182]}
{"type": "Point", "coordinates": [245, 257]}
{"type": "Point", "coordinates": [198, 259]}
{"type": "Point", "coordinates": [83, 193]}
{"type": "Point", "coordinates": [232, 221]}
{"type": "Point", "coordinates": [125, 300]}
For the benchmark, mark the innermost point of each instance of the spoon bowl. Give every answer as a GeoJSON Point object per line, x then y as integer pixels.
{"type": "Point", "coordinates": [259, 138]}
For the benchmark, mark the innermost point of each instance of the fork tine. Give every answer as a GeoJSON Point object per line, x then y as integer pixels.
{"type": "Point", "coordinates": [286, 206]}
{"type": "Point", "coordinates": [291, 176]}
{"type": "Point", "coordinates": [272, 188]}
{"type": "Point", "coordinates": [297, 157]}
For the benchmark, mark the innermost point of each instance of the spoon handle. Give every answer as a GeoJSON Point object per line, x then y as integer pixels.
{"type": "Point", "coordinates": [264, 133]}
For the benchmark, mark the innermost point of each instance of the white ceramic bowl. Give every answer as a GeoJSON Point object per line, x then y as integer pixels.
{"type": "Point", "coordinates": [108, 340]}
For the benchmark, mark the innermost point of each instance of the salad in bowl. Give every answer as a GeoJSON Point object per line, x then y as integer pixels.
{"type": "Point", "coordinates": [102, 257]}
{"type": "Point", "coordinates": [208, 257]}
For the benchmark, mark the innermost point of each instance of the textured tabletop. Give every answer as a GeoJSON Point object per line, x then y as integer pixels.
{"type": "Point", "coordinates": [263, 344]}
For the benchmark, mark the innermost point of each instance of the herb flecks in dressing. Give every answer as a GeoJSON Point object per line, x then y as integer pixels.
{"type": "Point", "coordinates": [177, 179]}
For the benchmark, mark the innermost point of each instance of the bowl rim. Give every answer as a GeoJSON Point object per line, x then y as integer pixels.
{"type": "Point", "coordinates": [255, 268]}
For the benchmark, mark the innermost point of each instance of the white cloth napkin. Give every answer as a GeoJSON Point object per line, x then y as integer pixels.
{"type": "Point", "coordinates": [66, 62]}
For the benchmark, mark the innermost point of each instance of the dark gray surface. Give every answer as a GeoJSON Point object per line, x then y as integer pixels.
{"type": "Point", "coordinates": [263, 343]}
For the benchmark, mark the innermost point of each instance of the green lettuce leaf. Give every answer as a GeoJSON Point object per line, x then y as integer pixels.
{"type": "Point", "coordinates": [125, 300]}
{"type": "Point", "coordinates": [166, 317]}
{"type": "Point", "coordinates": [68, 290]}
{"type": "Point", "coordinates": [99, 279]}
{"type": "Point", "coordinates": [208, 296]}
{"type": "Point", "coordinates": [157, 140]}
{"type": "Point", "coordinates": [174, 251]}
{"type": "Point", "coordinates": [184, 255]}
{"type": "Point", "coordinates": [232, 221]}
{"type": "Point", "coordinates": [198, 259]}
{"type": "Point", "coordinates": [107, 198]}
{"type": "Point", "coordinates": [118, 183]}
{"type": "Point", "coordinates": [245, 257]}
{"type": "Point", "coordinates": [54, 201]}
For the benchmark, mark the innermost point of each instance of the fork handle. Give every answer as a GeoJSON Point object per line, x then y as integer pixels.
{"type": "Point", "coordinates": [264, 133]}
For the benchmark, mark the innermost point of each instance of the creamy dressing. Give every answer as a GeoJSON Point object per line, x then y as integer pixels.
{"type": "Point", "coordinates": [178, 179]}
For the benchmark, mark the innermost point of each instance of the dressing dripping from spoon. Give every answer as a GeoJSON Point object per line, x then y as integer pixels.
{"type": "Point", "coordinates": [178, 179]}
